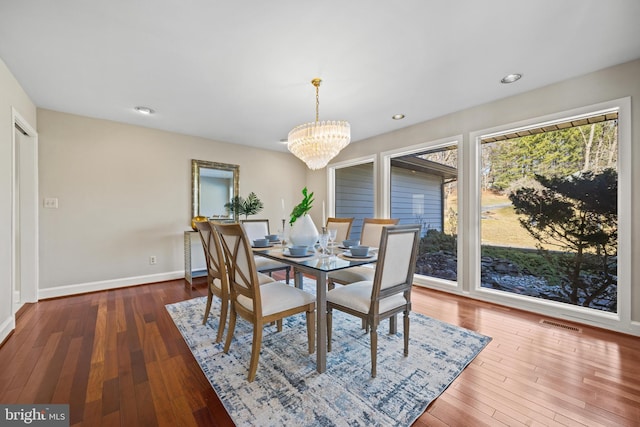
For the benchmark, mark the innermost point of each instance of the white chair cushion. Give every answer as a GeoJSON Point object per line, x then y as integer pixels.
{"type": "Point", "coordinates": [217, 284]}
{"type": "Point", "coordinates": [264, 278]}
{"type": "Point", "coordinates": [354, 274]}
{"type": "Point", "coordinates": [357, 296]}
{"type": "Point", "coordinates": [277, 297]}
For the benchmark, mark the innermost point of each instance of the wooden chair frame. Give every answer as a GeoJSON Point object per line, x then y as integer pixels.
{"type": "Point", "coordinates": [243, 281]}
{"type": "Point", "coordinates": [373, 317]}
{"type": "Point", "coordinates": [216, 270]}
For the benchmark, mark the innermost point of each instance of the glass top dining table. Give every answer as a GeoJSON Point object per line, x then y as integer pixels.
{"type": "Point", "coordinates": [318, 266]}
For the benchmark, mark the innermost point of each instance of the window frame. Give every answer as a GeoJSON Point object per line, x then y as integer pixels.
{"type": "Point", "coordinates": [621, 320]}
{"type": "Point", "coordinates": [331, 181]}
{"type": "Point", "coordinates": [385, 182]}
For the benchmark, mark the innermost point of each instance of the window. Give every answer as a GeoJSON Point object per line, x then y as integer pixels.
{"type": "Point", "coordinates": [354, 194]}
{"type": "Point", "coordinates": [422, 188]}
{"type": "Point", "coordinates": [549, 212]}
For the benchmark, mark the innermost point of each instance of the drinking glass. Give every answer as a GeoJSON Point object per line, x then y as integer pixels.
{"type": "Point", "coordinates": [323, 239]}
{"type": "Point", "coordinates": [333, 232]}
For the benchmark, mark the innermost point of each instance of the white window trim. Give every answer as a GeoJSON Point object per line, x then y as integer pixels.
{"type": "Point", "coordinates": [385, 180]}
{"type": "Point", "coordinates": [331, 180]}
{"type": "Point", "coordinates": [620, 321]}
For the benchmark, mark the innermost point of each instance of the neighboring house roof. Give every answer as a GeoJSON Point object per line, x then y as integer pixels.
{"type": "Point", "coordinates": [426, 166]}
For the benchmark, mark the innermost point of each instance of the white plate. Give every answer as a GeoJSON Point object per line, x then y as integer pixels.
{"type": "Point", "coordinates": [287, 254]}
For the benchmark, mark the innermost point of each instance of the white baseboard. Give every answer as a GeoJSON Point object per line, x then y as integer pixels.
{"type": "Point", "coordinates": [103, 285]}
{"type": "Point", "coordinates": [8, 325]}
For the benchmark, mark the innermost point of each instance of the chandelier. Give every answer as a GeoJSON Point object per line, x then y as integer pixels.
{"type": "Point", "coordinates": [315, 143]}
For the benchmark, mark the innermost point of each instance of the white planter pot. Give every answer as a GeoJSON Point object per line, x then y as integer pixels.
{"type": "Point", "coordinates": [304, 232]}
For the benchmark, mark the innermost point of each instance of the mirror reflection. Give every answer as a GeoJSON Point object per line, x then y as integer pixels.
{"type": "Point", "coordinates": [213, 184]}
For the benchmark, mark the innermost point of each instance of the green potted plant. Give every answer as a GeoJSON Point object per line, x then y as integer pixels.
{"type": "Point", "coordinates": [303, 207]}
{"type": "Point", "coordinates": [249, 206]}
{"type": "Point", "coordinates": [303, 230]}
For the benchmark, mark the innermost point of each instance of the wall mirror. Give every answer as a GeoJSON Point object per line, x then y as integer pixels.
{"type": "Point", "coordinates": [212, 185]}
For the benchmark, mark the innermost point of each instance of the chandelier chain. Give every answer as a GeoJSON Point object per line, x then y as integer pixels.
{"type": "Point", "coordinates": [316, 82]}
{"type": "Point", "coordinates": [317, 103]}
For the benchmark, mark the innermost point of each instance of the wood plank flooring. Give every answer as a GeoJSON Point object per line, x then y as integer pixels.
{"type": "Point", "coordinates": [118, 360]}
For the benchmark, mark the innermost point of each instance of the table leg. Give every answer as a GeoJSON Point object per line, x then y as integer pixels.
{"type": "Point", "coordinates": [321, 321]}
{"type": "Point", "coordinates": [297, 278]}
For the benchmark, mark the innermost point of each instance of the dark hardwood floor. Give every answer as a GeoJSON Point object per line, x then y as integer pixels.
{"type": "Point", "coordinates": [118, 360]}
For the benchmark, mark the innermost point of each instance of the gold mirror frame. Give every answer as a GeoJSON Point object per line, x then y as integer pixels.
{"type": "Point", "coordinates": [196, 166]}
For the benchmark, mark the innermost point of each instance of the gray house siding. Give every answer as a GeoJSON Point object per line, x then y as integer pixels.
{"type": "Point", "coordinates": [354, 195]}
{"type": "Point", "coordinates": [416, 197]}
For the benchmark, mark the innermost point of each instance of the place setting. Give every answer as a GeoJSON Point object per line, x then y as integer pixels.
{"type": "Point", "coordinates": [297, 251]}
{"type": "Point", "coordinates": [358, 252]}
{"type": "Point", "coordinates": [268, 242]}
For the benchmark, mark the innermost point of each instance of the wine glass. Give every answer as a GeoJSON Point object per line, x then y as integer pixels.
{"type": "Point", "coordinates": [333, 232]}
{"type": "Point", "coordinates": [323, 240]}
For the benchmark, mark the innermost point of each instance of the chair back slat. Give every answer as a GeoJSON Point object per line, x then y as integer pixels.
{"type": "Point", "coordinates": [255, 228]}
{"type": "Point", "coordinates": [372, 230]}
{"type": "Point", "coordinates": [243, 276]}
{"type": "Point", "coordinates": [213, 255]}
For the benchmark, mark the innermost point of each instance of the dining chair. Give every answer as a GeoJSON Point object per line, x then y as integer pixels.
{"type": "Point", "coordinates": [342, 225]}
{"type": "Point", "coordinates": [217, 279]}
{"type": "Point", "coordinates": [369, 236]}
{"type": "Point", "coordinates": [257, 229]}
{"type": "Point", "coordinates": [388, 294]}
{"type": "Point", "coordinates": [259, 304]}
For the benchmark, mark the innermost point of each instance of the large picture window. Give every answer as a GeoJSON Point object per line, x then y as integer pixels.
{"type": "Point", "coordinates": [549, 212]}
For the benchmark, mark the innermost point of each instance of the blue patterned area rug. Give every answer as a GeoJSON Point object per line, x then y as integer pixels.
{"type": "Point", "coordinates": [289, 391]}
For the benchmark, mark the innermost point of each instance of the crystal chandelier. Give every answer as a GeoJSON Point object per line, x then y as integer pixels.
{"type": "Point", "coordinates": [315, 143]}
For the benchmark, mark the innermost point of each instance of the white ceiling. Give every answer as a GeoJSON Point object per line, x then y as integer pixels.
{"type": "Point", "coordinates": [240, 71]}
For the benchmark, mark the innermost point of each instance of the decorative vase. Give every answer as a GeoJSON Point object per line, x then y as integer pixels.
{"type": "Point", "coordinates": [197, 219]}
{"type": "Point", "coordinates": [304, 232]}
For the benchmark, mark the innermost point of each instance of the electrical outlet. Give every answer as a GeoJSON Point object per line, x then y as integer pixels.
{"type": "Point", "coordinates": [153, 260]}
{"type": "Point", "coordinates": [51, 203]}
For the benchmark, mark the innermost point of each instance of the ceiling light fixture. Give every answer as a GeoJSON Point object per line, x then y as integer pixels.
{"type": "Point", "coordinates": [144, 110]}
{"type": "Point", "coordinates": [397, 116]}
{"type": "Point", "coordinates": [510, 78]}
{"type": "Point", "coordinates": [316, 143]}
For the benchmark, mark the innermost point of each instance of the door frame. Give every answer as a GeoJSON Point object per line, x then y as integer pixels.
{"type": "Point", "coordinates": [27, 197]}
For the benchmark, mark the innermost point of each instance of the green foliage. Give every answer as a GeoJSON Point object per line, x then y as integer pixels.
{"type": "Point", "coordinates": [528, 261]}
{"type": "Point", "coordinates": [435, 241]}
{"type": "Point", "coordinates": [249, 206]}
{"type": "Point", "coordinates": [578, 215]}
{"type": "Point", "coordinates": [303, 207]}
{"type": "Point", "coordinates": [556, 153]}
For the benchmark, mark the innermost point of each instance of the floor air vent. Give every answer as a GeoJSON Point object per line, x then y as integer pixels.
{"type": "Point", "coordinates": [559, 325]}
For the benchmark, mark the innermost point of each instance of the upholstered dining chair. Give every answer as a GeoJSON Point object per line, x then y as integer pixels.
{"type": "Point", "coordinates": [259, 304]}
{"type": "Point", "coordinates": [369, 236]}
{"type": "Point", "coordinates": [342, 226]}
{"type": "Point", "coordinates": [217, 280]}
{"type": "Point", "coordinates": [257, 229]}
{"type": "Point", "coordinates": [390, 291]}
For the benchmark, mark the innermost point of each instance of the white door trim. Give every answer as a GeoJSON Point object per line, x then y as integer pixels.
{"type": "Point", "coordinates": [29, 260]}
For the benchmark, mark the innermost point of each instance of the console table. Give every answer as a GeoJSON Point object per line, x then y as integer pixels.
{"type": "Point", "coordinates": [194, 262]}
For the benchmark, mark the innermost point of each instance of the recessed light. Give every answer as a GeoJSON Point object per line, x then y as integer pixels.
{"type": "Point", "coordinates": [144, 110]}
{"type": "Point", "coordinates": [284, 140]}
{"type": "Point", "coordinates": [510, 78]}
{"type": "Point", "coordinates": [397, 116]}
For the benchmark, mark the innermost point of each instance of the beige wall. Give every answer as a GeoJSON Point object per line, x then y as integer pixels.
{"type": "Point", "coordinates": [609, 84]}
{"type": "Point", "coordinates": [11, 95]}
{"type": "Point", "coordinates": [124, 194]}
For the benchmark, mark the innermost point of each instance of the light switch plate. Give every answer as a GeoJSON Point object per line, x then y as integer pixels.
{"type": "Point", "coordinates": [51, 202]}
